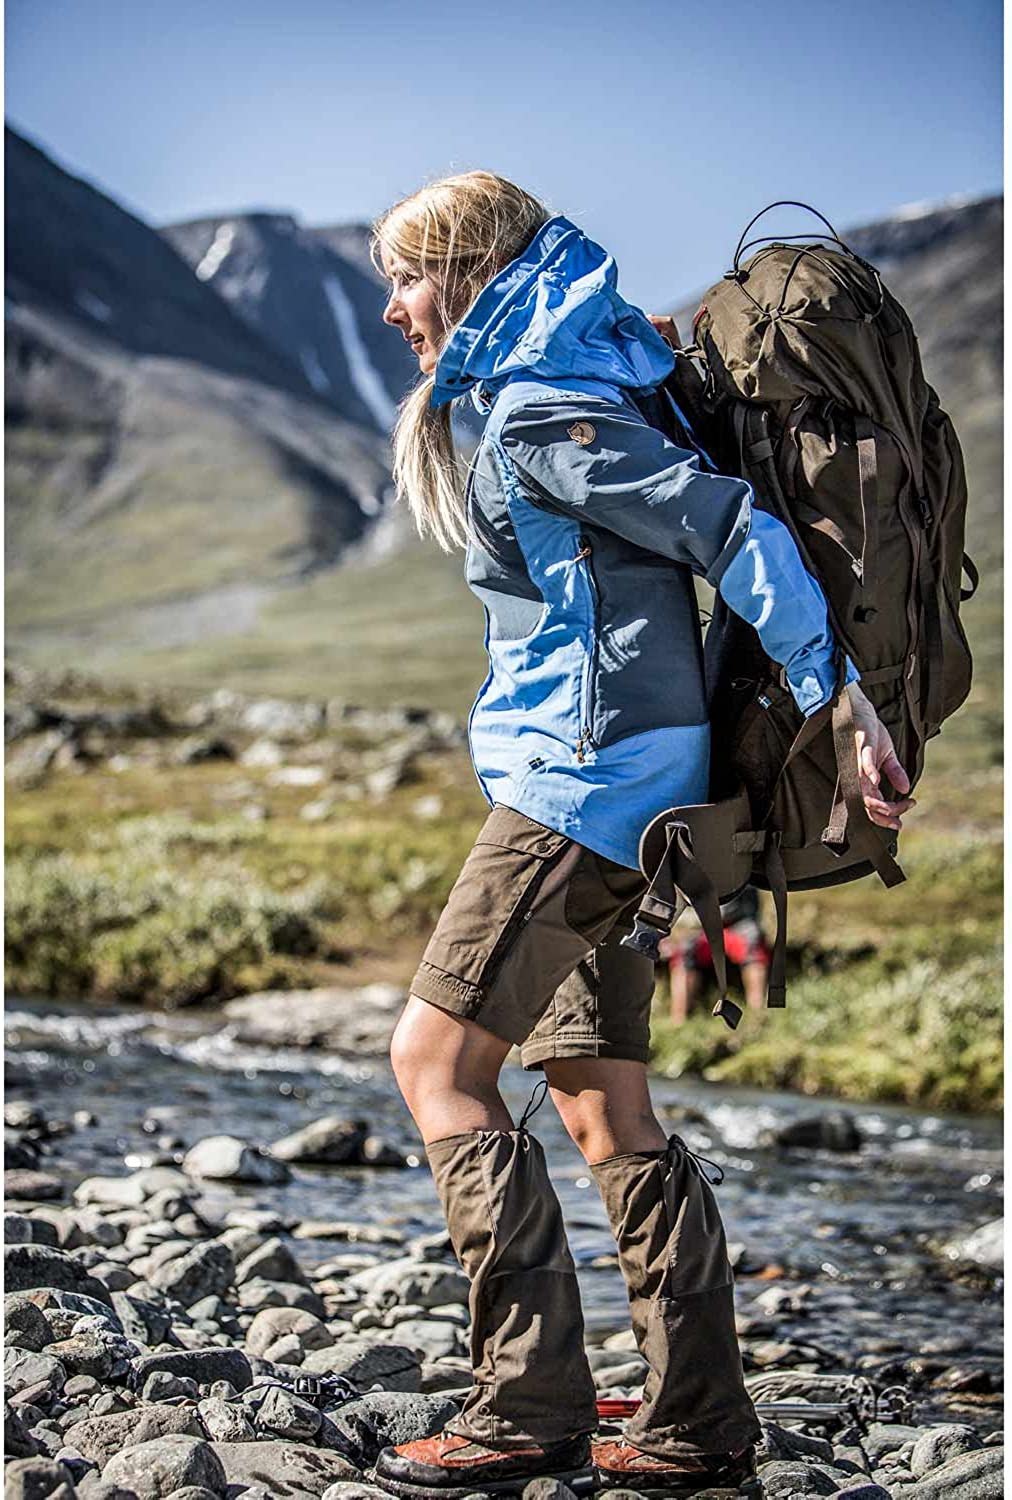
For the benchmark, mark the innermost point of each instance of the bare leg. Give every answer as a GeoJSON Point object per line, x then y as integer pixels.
{"type": "Point", "coordinates": [448, 1071]}
{"type": "Point", "coordinates": [605, 1105]}
{"type": "Point", "coordinates": [753, 978]}
{"type": "Point", "coordinates": [685, 990]}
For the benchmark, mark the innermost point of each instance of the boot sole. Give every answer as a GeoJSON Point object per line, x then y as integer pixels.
{"type": "Point", "coordinates": [645, 1484]}
{"type": "Point", "coordinates": [581, 1481]}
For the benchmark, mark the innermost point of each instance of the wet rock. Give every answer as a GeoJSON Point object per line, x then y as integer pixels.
{"type": "Point", "coordinates": [156, 1468]}
{"type": "Point", "coordinates": [24, 1369]}
{"type": "Point", "coordinates": [285, 1471]}
{"type": "Point", "coordinates": [142, 1321]}
{"type": "Point", "coordinates": [940, 1444]}
{"type": "Point", "coordinates": [547, 1489]}
{"type": "Point", "coordinates": [983, 1248]}
{"type": "Point", "coordinates": [83, 1355]}
{"type": "Point", "coordinates": [274, 1323]}
{"type": "Point", "coordinates": [331, 1141]}
{"type": "Point", "coordinates": [132, 1191]}
{"type": "Point", "coordinates": [445, 1375]}
{"type": "Point", "coordinates": [25, 1229]}
{"type": "Point", "coordinates": [790, 1443]}
{"type": "Point", "coordinates": [969, 1476]}
{"type": "Point", "coordinates": [225, 1158]}
{"type": "Point", "coordinates": [787, 1480]}
{"type": "Point", "coordinates": [357, 1021]}
{"type": "Point", "coordinates": [205, 1271]}
{"type": "Point", "coordinates": [37, 1479]}
{"type": "Point", "coordinates": [38, 1186]}
{"type": "Point", "coordinates": [435, 1339]}
{"type": "Point", "coordinates": [364, 1362]}
{"type": "Point", "coordinates": [425, 1283]}
{"type": "Point", "coordinates": [99, 1437]}
{"type": "Point", "coordinates": [387, 1417]}
{"type": "Point", "coordinates": [287, 1415]}
{"type": "Point", "coordinates": [977, 1378]}
{"type": "Point", "coordinates": [29, 1266]}
{"type": "Point", "coordinates": [225, 1421]}
{"type": "Point", "coordinates": [25, 1325]}
{"type": "Point", "coordinates": [201, 1365]}
{"type": "Point", "coordinates": [257, 1294]}
{"type": "Point", "coordinates": [18, 1441]}
{"type": "Point", "coordinates": [863, 1489]}
{"type": "Point", "coordinates": [161, 1385]}
{"type": "Point", "coordinates": [833, 1130]}
{"type": "Point", "coordinates": [887, 1437]}
{"type": "Point", "coordinates": [377, 1152]}
{"type": "Point", "coordinates": [272, 1261]}
{"type": "Point", "coordinates": [351, 1491]}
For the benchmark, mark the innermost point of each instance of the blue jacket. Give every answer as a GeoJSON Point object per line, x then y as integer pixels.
{"type": "Point", "coordinates": [587, 525]}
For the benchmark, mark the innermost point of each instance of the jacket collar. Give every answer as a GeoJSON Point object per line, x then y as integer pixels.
{"type": "Point", "coordinates": [553, 312]}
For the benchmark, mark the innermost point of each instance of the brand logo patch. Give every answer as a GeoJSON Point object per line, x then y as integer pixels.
{"type": "Point", "coordinates": [583, 433]}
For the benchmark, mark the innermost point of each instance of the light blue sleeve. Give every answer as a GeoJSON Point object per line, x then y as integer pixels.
{"type": "Point", "coordinates": [767, 584]}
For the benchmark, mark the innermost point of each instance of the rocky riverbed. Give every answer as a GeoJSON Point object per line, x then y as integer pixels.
{"type": "Point", "coordinates": [226, 1273]}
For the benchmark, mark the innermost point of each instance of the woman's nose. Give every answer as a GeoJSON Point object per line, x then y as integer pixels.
{"type": "Point", "coordinates": [393, 310]}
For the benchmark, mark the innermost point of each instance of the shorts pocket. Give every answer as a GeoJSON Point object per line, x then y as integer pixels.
{"type": "Point", "coordinates": [599, 891]}
{"type": "Point", "coordinates": [493, 894]}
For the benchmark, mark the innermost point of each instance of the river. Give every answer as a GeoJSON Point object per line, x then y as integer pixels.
{"type": "Point", "coordinates": [852, 1225]}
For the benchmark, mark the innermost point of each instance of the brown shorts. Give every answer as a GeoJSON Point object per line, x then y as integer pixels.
{"type": "Point", "coordinates": [528, 946]}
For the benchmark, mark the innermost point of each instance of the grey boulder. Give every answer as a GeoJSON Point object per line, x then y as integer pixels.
{"type": "Point", "coordinates": [155, 1469]}
{"type": "Point", "coordinates": [285, 1471]}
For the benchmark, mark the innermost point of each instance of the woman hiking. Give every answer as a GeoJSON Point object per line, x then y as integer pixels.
{"type": "Point", "coordinates": [583, 527]}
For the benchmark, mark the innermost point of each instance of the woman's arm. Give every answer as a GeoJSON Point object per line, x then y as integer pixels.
{"type": "Point", "coordinates": [619, 473]}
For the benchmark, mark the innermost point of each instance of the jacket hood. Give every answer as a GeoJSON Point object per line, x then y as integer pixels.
{"type": "Point", "coordinates": [553, 313]}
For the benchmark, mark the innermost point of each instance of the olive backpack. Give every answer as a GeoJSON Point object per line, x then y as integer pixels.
{"type": "Point", "coordinates": [804, 377]}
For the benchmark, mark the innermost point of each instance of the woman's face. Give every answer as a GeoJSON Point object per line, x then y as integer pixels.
{"type": "Point", "coordinates": [412, 308]}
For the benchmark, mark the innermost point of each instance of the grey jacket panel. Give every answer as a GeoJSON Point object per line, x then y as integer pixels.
{"type": "Point", "coordinates": [627, 477]}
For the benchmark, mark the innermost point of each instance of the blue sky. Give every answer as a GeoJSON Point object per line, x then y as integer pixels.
{"type": "Point", "coordinates": [660, 126]}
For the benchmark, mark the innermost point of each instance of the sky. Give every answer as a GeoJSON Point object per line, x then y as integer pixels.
{"type": "Point", "coordinates": [659, 126]}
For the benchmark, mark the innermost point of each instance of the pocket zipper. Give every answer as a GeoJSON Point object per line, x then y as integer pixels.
{"type": "Point", "coordinates": [586, 741]}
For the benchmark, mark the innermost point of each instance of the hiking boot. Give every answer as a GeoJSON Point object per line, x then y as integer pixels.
{"type": "Point", "coordinates": [447, 1465]}
{"type": "Point", "coordinates": [621, 1465]}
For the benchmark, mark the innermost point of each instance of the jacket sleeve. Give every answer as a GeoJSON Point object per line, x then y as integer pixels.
{"type": "Point", "coordinates": [600, 462]}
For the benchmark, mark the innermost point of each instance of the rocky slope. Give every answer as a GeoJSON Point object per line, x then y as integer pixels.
{"type": "Point", "coordinates": [313, 296]}
{"type": "Point", "coordinates": [167, 468]}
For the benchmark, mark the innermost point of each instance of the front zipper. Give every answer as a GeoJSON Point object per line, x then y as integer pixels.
{"type": "Point", "coordinates": [586, 739]}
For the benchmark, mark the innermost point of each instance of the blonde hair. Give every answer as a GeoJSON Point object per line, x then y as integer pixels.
{"type": "Point", "coordinates": [457, 232]}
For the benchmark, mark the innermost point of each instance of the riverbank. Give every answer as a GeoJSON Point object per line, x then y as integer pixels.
{"type": "Point", "coordinates": [177, 1289]}
{"type": "Point", "coordinates": [174, 849]}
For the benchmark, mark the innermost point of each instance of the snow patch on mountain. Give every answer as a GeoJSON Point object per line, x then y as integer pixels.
{"type": "Point", "coordinates": [364, 374]}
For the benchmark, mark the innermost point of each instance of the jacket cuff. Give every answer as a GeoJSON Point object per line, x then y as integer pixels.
{"type": "Point", "coordinates": [811, 677]}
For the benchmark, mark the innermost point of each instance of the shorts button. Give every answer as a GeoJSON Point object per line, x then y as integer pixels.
{"type": "Point", "coordinates": [542, 846]}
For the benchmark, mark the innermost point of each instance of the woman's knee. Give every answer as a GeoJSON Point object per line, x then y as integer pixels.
{"type": "Point", "coordinates": [433, 1050]}
{"type": "Point", "coordinates": [604, 1104]}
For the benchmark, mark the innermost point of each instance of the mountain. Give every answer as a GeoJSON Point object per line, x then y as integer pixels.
{"type": "Point", "coordinates": [313, 296]}
{"type": "Point", "coordinates": [197, 476]}
{"type": "Point", "coordinates": [168, 468]}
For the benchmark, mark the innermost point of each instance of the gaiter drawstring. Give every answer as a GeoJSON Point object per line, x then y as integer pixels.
{"type": "Point", "coordinates": [676, 1140]}
{"type": "Point", "coordinates": [533, 1108]}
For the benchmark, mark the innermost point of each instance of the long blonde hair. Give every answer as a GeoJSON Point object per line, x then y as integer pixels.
{"type": "Point", "coordinates": [458, 232]}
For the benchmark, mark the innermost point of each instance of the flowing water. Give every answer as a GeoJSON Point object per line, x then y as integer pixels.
{"type": "Point", "coordinates": [852, 1224]}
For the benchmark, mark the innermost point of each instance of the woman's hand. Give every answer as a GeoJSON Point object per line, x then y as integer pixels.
{"type": "Point", "coordinates": [876, 756]}
{"type": "Point", "coordinates": [667, 328]}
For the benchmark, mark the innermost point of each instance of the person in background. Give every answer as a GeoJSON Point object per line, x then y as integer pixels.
{"type": "Point", "coordinates": [690, 961]}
